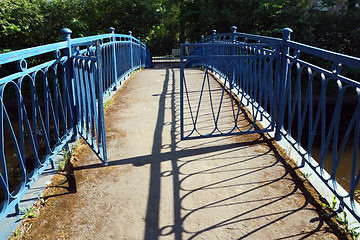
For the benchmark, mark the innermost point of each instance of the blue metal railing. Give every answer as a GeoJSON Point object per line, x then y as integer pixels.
{"type": "Point", "coordinates": [54, 94]}
{"type": "Point", "coordinates": [317, 99]}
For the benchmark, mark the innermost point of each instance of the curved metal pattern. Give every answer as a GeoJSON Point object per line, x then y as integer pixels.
{"type": "Point", "coordinates": [246, 72]}
{"type": "Point", "coordinates": [55, 93]}
{"type": "Point", "coordinates": [316, 93]}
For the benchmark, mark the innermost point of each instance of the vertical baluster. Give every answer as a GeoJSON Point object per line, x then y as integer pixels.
{"type": "Point", "coordinates": [101, 130]}
{"type": "Point", "coordinates": [69, 84]}
{"type": "Point", "coordinates": [131, 50]}
{"type": "Point", "coordinates": [139, 52]}
{"type": "Point", "coordinates": [112, 31]}
{"type": "Point", "coordinates": [283, 78]}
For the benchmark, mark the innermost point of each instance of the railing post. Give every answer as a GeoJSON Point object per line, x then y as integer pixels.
{"type": "Point", "coordinates": [131, 50]}
{"type": "Point", "coordinates": [102, 133]}
{"type": "Point", "coordinates": [69, 84]}
{"type": "Point", "coordinates": [213, 37]}
{"type": "Point", "coordinates": [145, 55]}
{"type": "Point", "coordinates": [112, 31]}
{"type": "Point", "coordinates": [181, 92]}
{"type": "Point", "coordinates": [202, 39]}
{"type": "Point", "coordinates": [139, 51]}
{"type": "Point", "coordinates": [233, 53]}
{"type": "Point", "coordinates": [233, 31]}
{"type": "Point", "coordinates": [282, 82]}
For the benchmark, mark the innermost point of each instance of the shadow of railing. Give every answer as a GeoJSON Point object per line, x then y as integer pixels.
{"type": "Point", "coordinates": [309, 95]}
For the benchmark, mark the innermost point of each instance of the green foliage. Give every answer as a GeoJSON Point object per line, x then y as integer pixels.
{"type": "Point", "coordinates": [20, 22]}
{"type": "Point", "coordinates": [342, 219]}
{"type": "Point", "coordinates": [163, 24]}
{"type": "Point", "coordinates": [332, 205]}
{"type": "Point", "coordinates": [346, 225]}
{"type": "Point", "coordinates": [25, 23]}
{"type": "Point", "coordinates": [108, 102]}
{"type": "Point", "coordinates": [306, 176]}
{"type": "Point", "coordinates": [250, 16]}
{"type": "Point", "coordinates": [64, 160]}
{"type": "Point", "coordinates": [28, 212]}
{"type": "Point", "coordinates": [16, 234]}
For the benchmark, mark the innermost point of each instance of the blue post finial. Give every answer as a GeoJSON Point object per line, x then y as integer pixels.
{"type": "Point", "coordinates": [66, 33]}
{"type": "Point", "coordinates": [112, 30]}
{"type": "Point", "coordinates": [130, 33]}
{"type": "Point", "coordinates": [286, 33]}
{"type": "Point", "coordinates": [233, 29]}
{"type": "Point", "coordinates": [213, 35]}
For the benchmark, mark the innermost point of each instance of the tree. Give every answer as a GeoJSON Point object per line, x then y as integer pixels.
{"type": "Point", "coordinates": [20, 22]}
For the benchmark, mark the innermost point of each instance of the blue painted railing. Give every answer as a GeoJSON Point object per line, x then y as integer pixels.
{"type": "Point", "coordinates": [317, 102]}
{"type": "Point", "coordinates": [54, 94]}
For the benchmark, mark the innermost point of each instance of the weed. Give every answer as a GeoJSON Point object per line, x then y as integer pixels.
{"type": "Point", "coordinates": [62, 162]}
{"type": "Point", "coordinates": [357, 195]}
{"type": "Point", "coordinates": [306, 176]}
{"type": "Point", "coordinates": [41, 199]}
{"type": "Point", "coordinates": [16, 234]}
{"type": "Point", "coordinates": [28, 212]}
{"type": "Point", "coordinates": [107, 103]}
{"type": "Point", "coordinates": [342, 219]}
{"type": "Point", "coordinates": [331, 206]}
{"type": "Point", "coordinates": [344, 223]}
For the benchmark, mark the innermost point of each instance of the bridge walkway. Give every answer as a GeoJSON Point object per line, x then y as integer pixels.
{"type": "Point", "coordinates": [158, 187]}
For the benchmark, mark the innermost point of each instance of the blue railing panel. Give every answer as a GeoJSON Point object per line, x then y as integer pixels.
{"type": "Point", "coordinates": [317, 96]}
{"type": "Point", "coordinates": [35, 129]}
{"type": "Point", "coordinates": [45, 105]}
{"type": "Point", "coordinates": [331, 114]}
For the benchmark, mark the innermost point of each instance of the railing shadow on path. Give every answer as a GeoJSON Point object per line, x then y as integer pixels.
{"type": "Point", "coordinates": [182, 157]}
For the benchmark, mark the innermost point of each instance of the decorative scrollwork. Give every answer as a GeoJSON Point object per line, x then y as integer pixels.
{"type": "Point", "coordinates": [297, 54]}
{"type": "Point", "coordinates": [57, 54]}
{"type": "Point", "coordinates": [22, 65]}
{"type": "Point", "coordinates": [91, 50]}
{"type": "Point", "coordinates": [336, 68]}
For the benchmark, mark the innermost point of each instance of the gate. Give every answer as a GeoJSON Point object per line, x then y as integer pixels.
{"type": "Point", "coordinates": [88, 89]}
{"type": "Point", "coordinates": [234, 89]}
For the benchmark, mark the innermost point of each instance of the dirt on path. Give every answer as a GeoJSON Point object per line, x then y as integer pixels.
{"type": "Point", "coordinates": [158, 187]}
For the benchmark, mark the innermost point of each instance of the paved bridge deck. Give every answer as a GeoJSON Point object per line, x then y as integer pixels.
{"type": "Point", "coordinates": [158, 187]}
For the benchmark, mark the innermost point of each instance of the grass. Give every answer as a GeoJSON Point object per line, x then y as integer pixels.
{"type": "Point", "coordinates": [31, 212]}
{"type": "Point", "coordinates": [306, 176]}
{"type": "Point", "coordinates": [342, 219]}
{"type": "Point", "coordinates": [107, 103]}
{"type": "Point", "coordinates": [64, 160]}
{"type": "Point", "coordinates": [16, 234]}
{"type": "Point", "coordinates": [331, 206]}
{"type": "Point", "coordinates": [28, 212]}
{"type": "Point", "coordinates": [346, 225]}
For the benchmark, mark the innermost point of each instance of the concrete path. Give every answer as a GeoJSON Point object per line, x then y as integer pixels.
{"type": "Point", "coordinates": [158, 187]}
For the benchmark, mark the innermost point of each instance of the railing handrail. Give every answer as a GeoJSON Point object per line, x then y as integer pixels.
{"type": "Point", "coordinates": [350, 61]}
{"type": "Point", "coordinates": [30, 52]}
{"type": "Point", "coordinates": [17, 55]}
{"type": "Point", "coordinates": [54, 99]}
{"type": "Point", "coordinates": [295, 104]}
{"type": "Point", "coordinates": [244, 36]}
{"type": "Point", "coordinates": [347, 60]}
